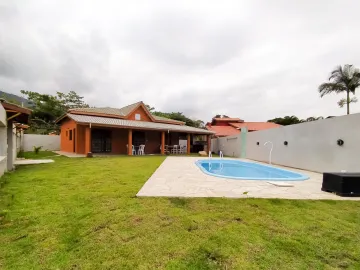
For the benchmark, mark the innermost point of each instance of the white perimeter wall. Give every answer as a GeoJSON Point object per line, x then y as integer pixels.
{"type": "Point", "coordinates": [311, 146]}
{"type": "Point", "coordinates": [48, 142]}
{"type": "Point", "coordinates": [230, 146]}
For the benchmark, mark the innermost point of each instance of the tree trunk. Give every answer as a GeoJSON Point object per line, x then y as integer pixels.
{"type": "Point", "coordinates": [348, 101]}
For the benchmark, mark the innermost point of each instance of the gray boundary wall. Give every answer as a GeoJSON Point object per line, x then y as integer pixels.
{"type": "Point", "coordinates": [230, 146]}
{"type": "Point", "coordinates": [48, 142]}
{"type": "Point", "coordinates": [311, 146]}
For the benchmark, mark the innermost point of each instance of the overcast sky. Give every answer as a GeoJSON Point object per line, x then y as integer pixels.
{"type": "Point", "coordinates": [250, 59]}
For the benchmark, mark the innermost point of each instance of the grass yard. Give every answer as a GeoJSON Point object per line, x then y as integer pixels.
{"type": "Point", "coordinates": [83, 214]}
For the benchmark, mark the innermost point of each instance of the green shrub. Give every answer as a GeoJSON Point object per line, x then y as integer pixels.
{"type": "Point", "coordinates": [20, 154]}
{"type": "Point", "coordinates": [37, 149]}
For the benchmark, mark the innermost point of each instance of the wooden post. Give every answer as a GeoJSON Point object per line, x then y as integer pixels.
{"type": "Point", "coordinates": [209, 143]}
{"type": "Point", "coordinates": [130, 142]}
{"type": "Point", "coordinates": [163, 142]}
{"type": "Point", "coordinates": [188, 144]}
{"type": "Point", "coordinates": [87, 140]}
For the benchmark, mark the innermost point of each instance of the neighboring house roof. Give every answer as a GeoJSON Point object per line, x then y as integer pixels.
{"type": "Point", "coordinates": [254, 126]}
{"type": "Point", "coordinates": [227, 119]}
{"type": "Point", "coordinates": [107, 121]}
{"type": "Point", "coordinates": [222, 131]}
{"type": "Point", "coordinates": [232, 126]}
{"type": "Point", "coordinates": [121, 112]}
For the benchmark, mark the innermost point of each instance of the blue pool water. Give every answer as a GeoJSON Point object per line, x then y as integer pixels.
{"type": "Point", "coordinates": [236, 169]}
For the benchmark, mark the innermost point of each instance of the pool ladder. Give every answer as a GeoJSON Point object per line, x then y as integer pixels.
{"type": "Point", "coordinates": [221, 164]}
{"type": "Point", "coordinates": [220, 154]}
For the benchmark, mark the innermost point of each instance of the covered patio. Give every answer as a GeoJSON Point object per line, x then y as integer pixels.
{"type": "Point", "coordinates": [82, 134]}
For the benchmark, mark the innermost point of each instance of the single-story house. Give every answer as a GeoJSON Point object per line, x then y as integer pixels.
{"type": "Point", "coordinates": [224, 126]}
{"type": "Point", "coordinates": [112, 130]}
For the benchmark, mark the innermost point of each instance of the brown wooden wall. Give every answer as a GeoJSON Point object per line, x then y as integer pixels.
{"type": "Point", "coordinates": [119, 139]}
{"type": "Point", "coordinates": [153, 142]}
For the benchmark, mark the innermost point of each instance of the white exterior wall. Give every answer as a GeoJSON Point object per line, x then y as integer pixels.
{"type": "Point", "coordinates": [311, 146]}
{"type": "Point", "coordinates": [3, 141]}
{"type": "Point", "coordinates": [48, 142]}
{"type": "Point", "coordinates": [230, 146]}
{"type": "Point", "coordinates": [15, 144]}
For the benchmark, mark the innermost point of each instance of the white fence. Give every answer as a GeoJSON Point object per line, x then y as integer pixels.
{"type": "Point", "coordinates": [312, 146]}
{"type": "Point", "coordinates": [48, 142]}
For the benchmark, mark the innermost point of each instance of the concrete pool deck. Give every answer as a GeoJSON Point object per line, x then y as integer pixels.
{"type": "Point", "coordinates": [180, 177]}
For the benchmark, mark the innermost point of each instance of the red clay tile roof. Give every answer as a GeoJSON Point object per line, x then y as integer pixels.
{"type": "Point", "coordinates": [222, 131]}
{"type": "Point", "coordinates": [253, 126]}
{"type": "Point", "coordinates": [234, 128]}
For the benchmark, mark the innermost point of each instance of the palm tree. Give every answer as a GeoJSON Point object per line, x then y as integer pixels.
{"type": "Point", "coordinates": [342, 79]}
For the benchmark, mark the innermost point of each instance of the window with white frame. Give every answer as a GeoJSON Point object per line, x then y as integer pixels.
{"type": "Point", "coordinates": [137, 116]}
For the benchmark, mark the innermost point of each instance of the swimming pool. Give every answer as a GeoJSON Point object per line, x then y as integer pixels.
{"type": "Point", "coordinates": [236, 169]}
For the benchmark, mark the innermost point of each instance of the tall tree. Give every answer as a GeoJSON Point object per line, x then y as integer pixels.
{"type": "Point", "coordinates": [151, 109]}
{"type": "Point", "coordinates": [310, 119]}
{"type": "Point", "coordinates": [291, 120]}
{"type": "Point", "coordinates": [47, 108]}
{"type": "Point", "coordinates": [342, 79]}
{"type": "Point", "coordinates": [179, 116]}
{"type": "Point", "coordinates": [287, 120]}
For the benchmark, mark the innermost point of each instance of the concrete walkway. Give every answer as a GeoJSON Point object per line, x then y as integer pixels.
{"type": "Point", "coordinates": [180, 177]}
{"type": "Point", "coordinates": [70, 155]}
{"type": "Point", "coordinates": [32, 161]}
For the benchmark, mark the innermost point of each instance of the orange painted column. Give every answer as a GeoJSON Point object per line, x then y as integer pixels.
{"type": "Point", "coordinates": [77, 140]}
{"type": "Point", "coordinates": [163, 142]}
{"type": "Point", "coordinates": [130, 142]}
{"type": "Point", "coordinates": [87, 140]}
{"type": "Point", "coordinates": [188, 144]}
{"type": "Point", "coordinates": [209, 143]}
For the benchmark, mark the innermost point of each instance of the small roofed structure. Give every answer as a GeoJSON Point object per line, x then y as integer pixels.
{"type": "Point", "coordinates": [13, 120]}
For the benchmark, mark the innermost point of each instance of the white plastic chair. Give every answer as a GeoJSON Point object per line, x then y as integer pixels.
{"type": "Point", "coordinates": [174, 150]}
{"type": "Point", "coordinates": [133, 149]}
{"type": "Point", "coordinates": [141, 149]}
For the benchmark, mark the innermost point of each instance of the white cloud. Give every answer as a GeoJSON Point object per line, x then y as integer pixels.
{"type": "Point", "coordinates": [250, 59]}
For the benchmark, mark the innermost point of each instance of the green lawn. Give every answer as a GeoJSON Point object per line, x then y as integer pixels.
{"type": "Point", "coordinates": [83, 214]}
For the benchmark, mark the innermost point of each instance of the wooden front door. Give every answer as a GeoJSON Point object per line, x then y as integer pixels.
{"type": "Point", "coordinates": [100, 141]}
